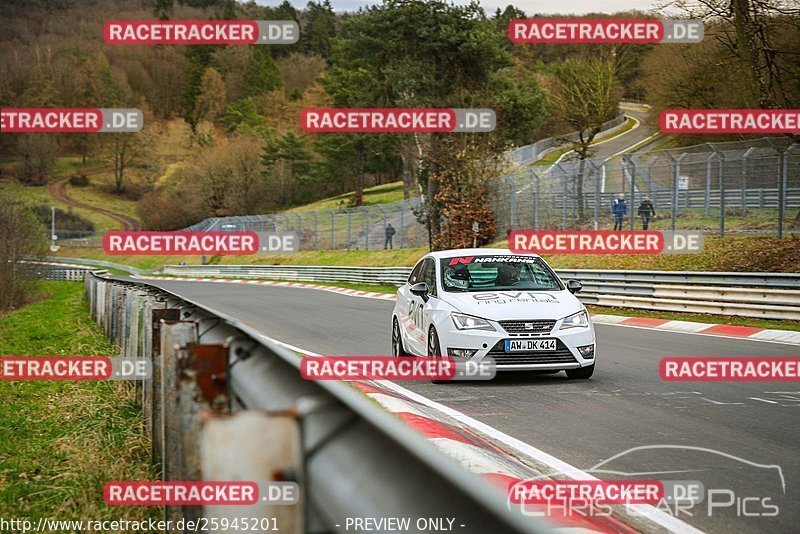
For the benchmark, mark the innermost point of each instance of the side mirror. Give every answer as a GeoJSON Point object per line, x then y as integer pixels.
{"type": "Point", "coordinates": [421, 290]}
{"type": "Point", "coordinates": [573, 286]}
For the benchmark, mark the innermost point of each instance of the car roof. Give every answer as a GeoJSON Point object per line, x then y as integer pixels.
{"type": "Point", "coordinates": [457, 252]}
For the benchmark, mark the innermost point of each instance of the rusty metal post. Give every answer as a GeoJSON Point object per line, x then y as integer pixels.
{"type": "Point", "coordinates": [202, 391]}
{"type": "Point", "coordinates": [235, 448]}
{"type": "Point", "coordinates": [173, 338]}
{"type": "Point", "coordinates": [160, 317]}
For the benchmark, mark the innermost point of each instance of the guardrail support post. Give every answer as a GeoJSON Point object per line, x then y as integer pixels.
{"type": "Point", "coordinates": [255, 446]}
{"type": "Point", "coordinates": [173, 337]}
{"type": "Point", "coordinates": [202, 390]}
{"type": "Point", "coordinates": [161, 317]}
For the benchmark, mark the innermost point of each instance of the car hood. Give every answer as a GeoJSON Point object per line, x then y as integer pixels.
{"type": "Point", "coordinates": [511, 304]}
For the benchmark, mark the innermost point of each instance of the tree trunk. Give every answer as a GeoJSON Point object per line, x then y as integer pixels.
{"type": "Point", "coordinates": [749, 53]}
{"type": "Point", "coordinates": [409, 169]}
{"type": "Point", "coordinates": [434, 213]}
{"type": "Point", "coordinates": [360, 178]}
{"type": "Point", "coordinates": [119, 168]}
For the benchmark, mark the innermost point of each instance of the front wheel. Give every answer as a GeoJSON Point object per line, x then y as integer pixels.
{"type": "Point", "coordinates": [434, 350]}
{"type": "Point", "coordinates": [433, 344]}
{"type": "Point", "coordinates": [581, 373]}
{"type": "Point", "coordinates": [397, 341]}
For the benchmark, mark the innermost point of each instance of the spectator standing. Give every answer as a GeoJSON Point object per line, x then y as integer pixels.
{"type": "Point", "coordinates": [619, 209]}
{"type": "Point", "coordinates": [646, 210]}
{"type": "Point", "coordinates": [390, 231]}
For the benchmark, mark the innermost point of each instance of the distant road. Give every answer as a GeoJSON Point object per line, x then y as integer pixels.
{"type": "Point", "coordinates": [58, 190]}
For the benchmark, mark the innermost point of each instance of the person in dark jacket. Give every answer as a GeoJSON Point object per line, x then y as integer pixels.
{"type": "Point", "coordinates": [619, 209]}
{"type": "Point", "coordinates": [646, 210]}
{"type": "Point", "coordinates": [390, 231]}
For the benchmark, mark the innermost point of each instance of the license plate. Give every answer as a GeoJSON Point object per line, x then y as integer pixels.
{"type": "Point", "coordinates": [530, 345]}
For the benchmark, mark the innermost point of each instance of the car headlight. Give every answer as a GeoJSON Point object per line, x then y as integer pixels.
{"type": "Point", "coordinates": [580, 319]}
{"type": "Point", "coordinates": [468, 322]}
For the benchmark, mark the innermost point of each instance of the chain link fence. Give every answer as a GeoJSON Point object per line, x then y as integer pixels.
{"type": "Point", "coordinates": [741, 187]}
{"type": "Point", "coordinates": [748, 186]}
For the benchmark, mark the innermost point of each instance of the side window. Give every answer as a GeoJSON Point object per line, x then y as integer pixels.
{"type": "Point", "coordinates": [414, 276]}
{"type": "Point", "coordinates": [428, 275]}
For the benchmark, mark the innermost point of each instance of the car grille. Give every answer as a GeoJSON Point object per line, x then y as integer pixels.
{"type": "Point", "coordinates": [518, 327]}
{"type": "Point", "coordinates": [561, 355]}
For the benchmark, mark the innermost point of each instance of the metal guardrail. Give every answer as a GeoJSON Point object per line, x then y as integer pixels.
{"type": "Point", "coordinates": [53, 272]}
{"type": "Point", "coordinates": [760, 295]}
{"type": "Point", "coordinates": [226, 403]}
{"type": "Point", "coordinates": [90, 263]}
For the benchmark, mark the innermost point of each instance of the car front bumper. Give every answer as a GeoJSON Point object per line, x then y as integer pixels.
{"type": "Point", "coordinates": [491, 344]}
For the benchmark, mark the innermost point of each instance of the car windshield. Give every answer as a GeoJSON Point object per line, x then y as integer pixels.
{"type": "Point", "coordinates": [489, 273]}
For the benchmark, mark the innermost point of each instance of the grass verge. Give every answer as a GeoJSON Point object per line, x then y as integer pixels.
{"type": "Point", "coordinates": [61, 441]}
{"type": "Point", "coordinates": [379, 194]}
{"type": "Point", "coordinates": [743, 253]}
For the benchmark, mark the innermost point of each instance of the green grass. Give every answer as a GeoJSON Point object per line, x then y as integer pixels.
{"type": "Point", "coordinates": [61, 441]}
{"type": "Point", "coordinates": [97, 195]}
{"type": "Point", "coordinates": [380, 194]}
{"type": "Point", "coordinates": [732, 253]}
{"type": "Point", "coordinates": [366, 258]}
{"type": "Point", "coordinates": [37, 195]}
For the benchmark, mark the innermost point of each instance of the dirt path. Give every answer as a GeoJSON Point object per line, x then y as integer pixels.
{"type": "Point", "coordinates": [58, 190]}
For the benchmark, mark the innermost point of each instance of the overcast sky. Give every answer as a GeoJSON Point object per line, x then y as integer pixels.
{"type": "Point", "coordinates": [529, 6]}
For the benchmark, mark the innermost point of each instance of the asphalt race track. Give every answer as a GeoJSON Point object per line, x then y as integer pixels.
{"type": "Point", "coordinates": [624, 405]}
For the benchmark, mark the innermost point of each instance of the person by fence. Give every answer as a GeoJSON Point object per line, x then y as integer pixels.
{"type": "Point", "coordinates": [390, 231]}
{"type": "Point", "coordinates": [619, 209]}
{"type": "Point", "coordinates": [646, 211]}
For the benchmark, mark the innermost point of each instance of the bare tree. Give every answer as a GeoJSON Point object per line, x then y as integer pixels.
{"type": "Point", "coordinates": [22, 236]}
{"type": "Point", "coordinates": [585, 95]}
{"type": "Point", "coordinates": [763, 35]}
{"type": "Point", "coordinates": [38, 153]}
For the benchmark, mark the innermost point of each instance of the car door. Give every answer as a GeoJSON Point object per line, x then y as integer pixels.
{"type": "Point", "coordinates": [419, 309]}
{"type": "Point", "coordinates": [404, 300]}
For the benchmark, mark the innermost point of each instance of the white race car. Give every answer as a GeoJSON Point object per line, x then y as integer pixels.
{"type": "Point", "coordinates": [471, 304]}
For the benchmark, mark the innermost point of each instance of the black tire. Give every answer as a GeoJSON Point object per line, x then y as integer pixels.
{"type": "Point", "coordinates": [398, 351]}
{"type": "Point", "coordinates": [581, 373]}
{"type": "Point", "coordinates": [435, 350]}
